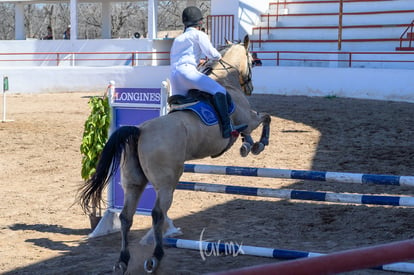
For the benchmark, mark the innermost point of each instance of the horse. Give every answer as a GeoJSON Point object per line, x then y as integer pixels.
{"type": "Point", "coordinates": [156, 150]}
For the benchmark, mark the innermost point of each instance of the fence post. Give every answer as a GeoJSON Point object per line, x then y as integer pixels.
{"type": "Point", "coordinates": [5, 88]}
{"type": "Point", "coordinates": [277, 58]}
{"type": "Point", "coordinates": [341, 8]}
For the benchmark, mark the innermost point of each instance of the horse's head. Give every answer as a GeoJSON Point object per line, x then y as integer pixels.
{"type": "Point", "coordinates": [236, 56]}
{"type": "Point", "coordinates": [239, 57]}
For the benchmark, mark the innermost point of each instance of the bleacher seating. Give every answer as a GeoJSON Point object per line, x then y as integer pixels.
{"type": "Point", "coordinates": [310, 25]}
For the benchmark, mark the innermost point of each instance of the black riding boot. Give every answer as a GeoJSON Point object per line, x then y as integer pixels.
{"type": "Point", "coordinates": [222, 107]}
{"type": "Point", "coordinates": [220, 103]}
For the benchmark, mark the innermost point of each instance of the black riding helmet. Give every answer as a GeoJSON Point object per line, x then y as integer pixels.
{"type": "Point", "coordinates": [191, 16]}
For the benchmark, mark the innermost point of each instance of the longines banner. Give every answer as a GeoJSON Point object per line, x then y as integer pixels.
{"type": "Point", "coordinates": [133, 106]}
{"type": "Point", "coordinates": [137, 96]}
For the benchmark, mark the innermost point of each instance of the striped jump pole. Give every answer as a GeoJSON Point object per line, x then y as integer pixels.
{"type": "Point", "coordinates": [383, 257]}
{"type": "Point", "coordinates": [300, 174]}
{"type": "Point", "coordinates": [297, 194]}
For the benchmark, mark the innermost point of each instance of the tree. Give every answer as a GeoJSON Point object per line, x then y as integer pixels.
{"type": "Point", "coordinates": [7, 24]}
{"type": "Point", "coordinates": [126, 17]}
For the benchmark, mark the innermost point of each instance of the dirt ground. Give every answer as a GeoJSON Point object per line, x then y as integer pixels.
{"type": "Point", "coordinates": [42, 232]}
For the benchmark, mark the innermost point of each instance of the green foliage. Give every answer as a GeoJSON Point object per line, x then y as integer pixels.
{"type": "Point", "coordinates": [95, 135]}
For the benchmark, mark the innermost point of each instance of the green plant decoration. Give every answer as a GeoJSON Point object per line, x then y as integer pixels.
{"type": "Point", "coordinates": [95, 135]}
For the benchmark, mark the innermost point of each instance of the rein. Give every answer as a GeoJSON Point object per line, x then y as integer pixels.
{"type": "Point", "coordinates": [245, 80]}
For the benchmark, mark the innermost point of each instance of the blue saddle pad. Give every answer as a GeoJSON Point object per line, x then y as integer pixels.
{"type": "Point", "coordinates": [205, 112]}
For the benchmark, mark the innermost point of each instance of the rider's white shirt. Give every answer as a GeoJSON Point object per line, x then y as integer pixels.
{"type": "Point", "coordinates": [190, 46]}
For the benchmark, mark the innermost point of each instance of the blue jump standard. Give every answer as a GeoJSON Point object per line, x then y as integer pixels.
{"type": "Point", "coordinates": [300, 174]}
{"type": "Point", "coordinates": [297, 194]}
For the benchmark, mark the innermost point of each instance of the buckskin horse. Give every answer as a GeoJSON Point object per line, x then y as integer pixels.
{"type": "Point", "coordinates": [156, 150]}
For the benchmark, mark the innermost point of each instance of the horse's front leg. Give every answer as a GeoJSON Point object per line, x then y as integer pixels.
{"type": "Point", "coordinates": [259, 146]}
{"type": "Point", "coordinates": [248, 145]}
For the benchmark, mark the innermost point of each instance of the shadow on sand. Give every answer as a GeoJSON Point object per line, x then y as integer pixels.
{"type": "Point", "coordinates": [368, 137]}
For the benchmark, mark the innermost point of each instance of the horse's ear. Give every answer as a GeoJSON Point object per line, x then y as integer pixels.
{"type": "Point", "coordinates": [228, 42]}
{"type": "Point", "coordinates": [246, 41]}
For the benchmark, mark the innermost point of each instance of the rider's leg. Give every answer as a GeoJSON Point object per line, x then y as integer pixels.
{"type": "Point", "coordinates": [187, 77]}
{"type": "Point", "coordinates": [221, 105]}
{"type": "Point", "coordinates": [222, 102]}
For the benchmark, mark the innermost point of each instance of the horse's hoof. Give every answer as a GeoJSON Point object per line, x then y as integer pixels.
{"type": "Point", "coordinates": [245, 149]}
{"type": "Point", "coordinates": [150, 265]}
{"type": "Point", "coordinates": [120, 268]}
{"type": "Point", "coordinates": [257, 148]}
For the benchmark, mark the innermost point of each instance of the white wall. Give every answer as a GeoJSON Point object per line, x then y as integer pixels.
{"type": "Point", "coordinates": [386, 84]}
{"type": "Point", "coordinates": [84, 46]}
{"type": "Point", "coordinates": [82, 79]}
{"type": "Point", "coordinates": [382, 84]}
{"type": "Point", "coordinates": [249, 14]}
{"type": "Point", "coordinates": [246, 13]}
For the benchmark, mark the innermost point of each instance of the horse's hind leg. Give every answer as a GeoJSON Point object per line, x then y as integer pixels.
{"type": "Point", "coordinates": [248, 145]}
{"type": "Point", "coordinates": [162, 204]}
{"type": "Point", "coordinates": [133, 183]}
{"type": "Point", "coordinates": [132, 194]}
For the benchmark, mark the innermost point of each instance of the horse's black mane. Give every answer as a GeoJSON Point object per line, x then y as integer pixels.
{"type": "Point", "coordinates": [223, 48]}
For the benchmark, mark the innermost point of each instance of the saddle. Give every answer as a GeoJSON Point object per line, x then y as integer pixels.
{"type": "Point", "coordinates": [201, 103]}
{"type": "Point", "coordinates": [195, 96]}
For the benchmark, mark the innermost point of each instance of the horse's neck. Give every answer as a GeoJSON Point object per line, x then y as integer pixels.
{"type": "Point", "coordinates": [228, 78]}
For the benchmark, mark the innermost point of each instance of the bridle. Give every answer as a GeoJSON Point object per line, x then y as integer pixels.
{"type": "Point", "coordinates": [245, 79]}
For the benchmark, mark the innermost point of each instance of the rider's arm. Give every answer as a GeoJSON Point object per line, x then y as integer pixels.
{"type": "Point", "coordinates": [207, 48]}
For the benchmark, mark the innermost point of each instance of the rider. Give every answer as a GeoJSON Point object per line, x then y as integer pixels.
{"type": "Point", "coordinates": [186, 52]}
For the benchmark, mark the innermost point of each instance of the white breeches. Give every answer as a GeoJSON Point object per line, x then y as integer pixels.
{"type": "Point", "coordinates": [185, 77]}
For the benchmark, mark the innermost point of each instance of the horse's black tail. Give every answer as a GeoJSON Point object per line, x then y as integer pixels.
{"type": "Point", "coordinates": [90, 195]}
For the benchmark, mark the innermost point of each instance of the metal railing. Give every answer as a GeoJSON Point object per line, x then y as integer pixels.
{"type": "Point", "coordinates": [398, 59]}
{"type": "Point", "coordinates": [220, 28]}
{"type": "Point", "coordinates": [84, 58]}
{"type": "Point", "coordinates": [408, 34]}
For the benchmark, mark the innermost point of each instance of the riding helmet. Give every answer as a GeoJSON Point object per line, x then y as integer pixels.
{"type": "Point", "coordinates": [191, 16]}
